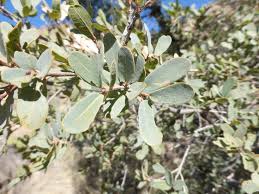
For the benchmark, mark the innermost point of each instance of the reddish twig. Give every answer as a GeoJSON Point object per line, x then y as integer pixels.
{"type": "Point", "coordinates": [8, 90]}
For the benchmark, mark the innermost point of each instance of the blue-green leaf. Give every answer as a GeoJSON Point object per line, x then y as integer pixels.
{"type": "Point", "coordinates": [175, 94]}
{"type": "Point", "coordinates": [83, 113]}
{"type": "Point", "coordinates": [148, 130]}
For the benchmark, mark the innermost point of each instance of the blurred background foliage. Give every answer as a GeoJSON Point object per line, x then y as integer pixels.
{"type": "Point", "coordinates": [218, 129]}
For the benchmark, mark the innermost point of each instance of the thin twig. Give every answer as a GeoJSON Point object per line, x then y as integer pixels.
{"type": "Point", "coordinates": [124, 178]}
{"type": "Point", "coordinates": [134, 14]}
{"type": "Point", "coordinates": [54, 95]}
{"type": "Point", "coordinates": [179, 172]}
{"type": "Point", "coordinates": [116, 135]}
{"type": "Point", "coordinates": [61, 74]}
{"type": "Point", "coordinates": [207, 127]}
{"type": "Point", "coordinates": [8, 14]}
{"type": "Point", "coordinates": [7, 92]}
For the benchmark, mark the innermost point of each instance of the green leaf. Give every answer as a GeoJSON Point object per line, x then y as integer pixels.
{"type": "Point", "coordinates": [28, 9]}
{"type": "Point", "coordinates": [118, 107]}
{"type": "Point", "coordinates": [141, 154]}
{"type": "Point", "coordinates": [250, 187]}
{"type": "Point", "coordinates": [98, 61]}
{"type": "Point", "coordinates": [41, 139]}
{"type": "Point", "coordinates": [149, 39]}
{"type": "Point", "coordinates": [175, 94]}
{"type": "Point", "coordinates": [196, 84]}
{"type": "Point", "coordinates": [29, 36]}
{"type": "Point", "coordinates": [25, 7]}
{"type": "Point", "coordinates": [83, 113]}
{"type": "Point", "coordinates": [255, 178]}
{"type": "Point", "coordinates": [169, 72]}
{"type": "Point", "coordinates": [32, 113]}
{"type": "Point", "coordinates": [111, 49]}
{"type": "Point", "coordinates": [59, 53]}
{"type": "Point", "coordinates": [55, 12]}
{"type": "Point", "coordinates": [163, 44]}
{"type": "Point", "coordinates": [100, 27]}
{"type": "Point", "coordinates": [35, 3]}
{"type": "Point", "coordinates": [158, 168]}
{"type": "Point", "coordinates": [14, 40]}
{"type": "Point", "coordinates": [15, 76]}
{"type": "Point", "coordinates": [18, 6]}
{"type": "Point", "coordinates": [178, 185]}
{"type": "Point", "coordinates": [140, 63]}
{"type": "Point", "coordinates": [87, 68]}
{"type": "Point", "coordinates": [24, 60]}
{"type": "Point", "coordinates": [228, 85]}
{"type": "Point", "coordinates": [135, 90]}
{"type": "Point", "coordinates": [2, 47]}
{"type": "Point", "coordinates": [149, 132]}
{"type": "Point", "coordinates": [73, 2]}
{"type": "Point", "coordinates": [44, 63]}
{"type": "Point", "coordinates": [126, 65]}
{"type": "Point", "coordinates": [5, 29]}
{"type": "Point", "coordinates": [82, 20]}
{"type": "Point", "coordinates": [160, 184]}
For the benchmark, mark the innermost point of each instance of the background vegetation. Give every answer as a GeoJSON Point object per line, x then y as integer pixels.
{"type": "Point", "coordinates": [210, 142]}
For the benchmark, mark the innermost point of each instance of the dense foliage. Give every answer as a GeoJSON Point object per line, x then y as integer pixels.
{"type": "Point", "coordinates": [174, 111]}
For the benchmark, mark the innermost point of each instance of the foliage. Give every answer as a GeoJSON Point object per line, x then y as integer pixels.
{"type": "Point", "coordinates": [153, 121]}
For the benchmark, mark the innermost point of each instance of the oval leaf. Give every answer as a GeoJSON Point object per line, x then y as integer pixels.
{"type": "Point", "coordinates": [175, 94]}
{"type": "Point", "coordinates": [24, 60]}
{"type": "Point", "coordinates": [29, 36]}
{"type": "Point", "coordinates": [82, 20]}
{"type": "Point", "coordinates": [169, 72]}
{"type": "Point", "coordinates": [44, 63]}
{"type": "Point", "coordinates": [85, 67]}
{"type": "Point", "coordinates": [32, 114]}
{"type": "Point", "coordinates": [118, 107]}
{"type": "Point", "coordinates": [83, 113]}
{"type": "Point", "coordinates": [126, 65]}
{"type": "Point", "coordinates": [111, 49]}
{"type": "Point", "coordinates": [135, 90]}
{"type": "Point", "coordinates": [163, 44]}
{"type": "Point", "coordinates": [15, 76]}
{"type": "Point", "coordinates": [149, 132]}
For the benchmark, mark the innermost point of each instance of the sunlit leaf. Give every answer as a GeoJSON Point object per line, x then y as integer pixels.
{"type": "Point", "coordinates": [87, 68]}
{"type": "Point", "coordinates": [29, 36]}
{"type": "Point", "coordinates": [25, 60]}
{"type": "Point", "coordinates": [162, 45]}
{"type": "Point", "coordinates": [135, 90]}
{"type": "Point", "coordinates": [32, 111]}
{"type": "Point", "coordinates": [15, 76]}
{"type": "Point", "coordinates": [82, 20]}
{"type": "Point", "coordinates": [83, 113]}
{"type": "Point", "coordinates": [118, 107]}
{"type": "Point", "coordinates": [169, 72]}
{"type": "Point", "coordinates": [44, 63]}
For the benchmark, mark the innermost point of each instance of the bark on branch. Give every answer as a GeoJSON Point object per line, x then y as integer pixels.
{"type": "Point", "coordinates": [8, 14]}
{"type": "Point", "coordinates": [134, 14]}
